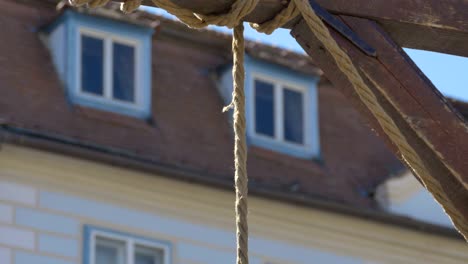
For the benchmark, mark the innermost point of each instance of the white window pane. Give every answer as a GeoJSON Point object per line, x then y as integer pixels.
{"type": "Point", "coordinates": [264, 108]}
{"type": "Point", "coordinates": [146, 255]}
{"type": "Point", "coordinates": [124, 72]}
{"type": "Point", "coordinates": [109, 251]}
{"type": "Point", "coordinates": [293, 116]}
{"type": "Point", "coordinates": [92, 65]}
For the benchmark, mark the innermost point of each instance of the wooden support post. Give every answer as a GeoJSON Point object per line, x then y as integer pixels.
{"type": "Point", "coordinates": [433, 129]}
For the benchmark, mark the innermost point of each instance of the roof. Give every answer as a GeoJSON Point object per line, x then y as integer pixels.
{"type": "Point", "coordinates": [188, 137]}
{"type": "Point", "coordinates": [290, 59]}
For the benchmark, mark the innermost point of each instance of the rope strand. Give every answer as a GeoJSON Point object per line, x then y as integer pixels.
{"type": "Point", "coordinates": [240, 146]}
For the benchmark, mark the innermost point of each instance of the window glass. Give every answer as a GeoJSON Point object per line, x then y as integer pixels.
{"type": "Point", "coordinates": [264, 108]}
{"type": "Point", "coordinates": [92, 65]}
{"type": "Point", "coordinates": [109, 251]}
{"type": "Point", "coordinates": [145, 255]}
{"type": "Point", "coordinates": [123, 72]}
{"type": "Point", "coordinates": [293, 116]}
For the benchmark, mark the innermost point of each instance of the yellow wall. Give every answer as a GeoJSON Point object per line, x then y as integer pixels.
{"type": "Point", "coordinates": [297, 226]}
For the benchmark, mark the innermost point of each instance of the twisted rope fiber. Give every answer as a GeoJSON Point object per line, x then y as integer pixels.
{"type": "Point", "coordinates": [240, 145]}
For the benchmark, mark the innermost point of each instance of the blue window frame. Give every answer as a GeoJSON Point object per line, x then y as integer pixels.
{"type": "Point", "coordinates": [105, 246]}
{"type": "Point", "coordinates": [104, 64]}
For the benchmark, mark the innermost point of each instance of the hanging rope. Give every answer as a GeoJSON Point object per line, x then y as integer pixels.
{"type": "Point", "coordinates": [233, 19]}
{"type": "Point", "coordinates": [240, 145]}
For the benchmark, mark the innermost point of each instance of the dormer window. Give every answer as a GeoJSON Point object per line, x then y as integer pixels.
{"type": "Point", "coordinates": [282, 114]}
{"type": "Point", "coordinates": [281, 108]}
{"type": "Point", "coordinates": [104, 64]}
{"type": "Point", "coordinates": [107, 66]}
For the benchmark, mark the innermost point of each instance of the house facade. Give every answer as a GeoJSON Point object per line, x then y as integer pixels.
{"type": "Point", "coordinates": [114, 150]}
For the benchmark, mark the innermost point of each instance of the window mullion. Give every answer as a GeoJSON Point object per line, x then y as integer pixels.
{"type": "Point", "coordinates": [279, 112]}
{"type": "Point", "coordinates": [108, 61]}
{"type": "Point", "coordinates": [130, 251]}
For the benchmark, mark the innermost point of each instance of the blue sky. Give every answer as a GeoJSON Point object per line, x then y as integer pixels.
{"type": "Point", "coordinates": [449, 73]}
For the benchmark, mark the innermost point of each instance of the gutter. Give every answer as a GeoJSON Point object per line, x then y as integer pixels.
{"type": "Point", "coordinates": [117, 157]}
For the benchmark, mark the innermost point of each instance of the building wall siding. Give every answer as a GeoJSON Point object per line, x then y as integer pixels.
{"type": "Point", "coordinates": [46, 221]}
{"type": "Point", "coordinates": [66, 247]}
{"type": "Point", "coordinates": [12, 192]}
{"type": "Point", "coordinates": [196, 220]}
{"type": "Point", "coordinates": [17, 237]}
{"type": "Point", "coordinates": [6, 213]}
{"type": "Point", "coordinates": [26, 258]}
{"type": "Point", "coordinates": [5, 255]}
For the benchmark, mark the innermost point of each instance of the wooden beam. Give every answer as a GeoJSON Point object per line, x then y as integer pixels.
{"type": "Point", "coordinates": [419, 102]}
{"type": "Point", "coordinates": [265, 9]}
{"type": "Point", "coordinates": [429, 124]}
{"type": "Point", "coordinates": [437, 25]}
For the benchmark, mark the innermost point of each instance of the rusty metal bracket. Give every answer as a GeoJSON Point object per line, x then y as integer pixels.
{"type": "Point", "coordinates": [343, 29]}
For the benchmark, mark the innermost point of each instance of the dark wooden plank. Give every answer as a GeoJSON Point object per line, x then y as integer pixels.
{"type": "Point", "coordinates": [437, 25]}
{"type": "Point", "coordinates": [454, 192]}
{"type": "Point", "coordinates": [265, 9]}
{"type": "Point", "coordinates": [418, 101]}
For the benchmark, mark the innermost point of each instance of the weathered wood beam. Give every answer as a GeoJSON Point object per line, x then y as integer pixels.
{"type": "Point", "coordinates": [437, 25]}
{"type": "Point", "coordinates": [264, 10]}
{"type": "Point", "coordinates": [431, 127]}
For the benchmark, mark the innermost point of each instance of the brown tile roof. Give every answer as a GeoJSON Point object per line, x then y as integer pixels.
{"type": "Point", "coordinates": [290, 59]}
{"type": "Point", "coordinates": [187, 133]}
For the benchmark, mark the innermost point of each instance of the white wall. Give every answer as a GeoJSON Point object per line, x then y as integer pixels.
{"type": "Point", "coordinates": [405, 196]}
